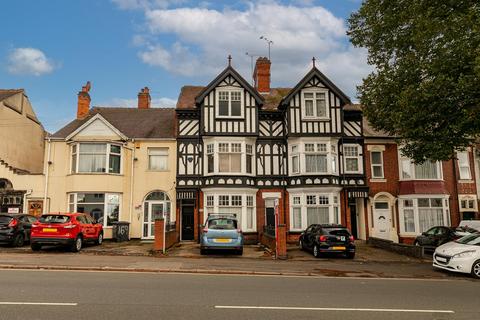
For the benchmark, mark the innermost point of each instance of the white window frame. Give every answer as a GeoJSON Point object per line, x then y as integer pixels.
{"type": "Point", "coordinates": [330, 151]}
{"type": "Point", "coordinates": [74, 205]}
{"type": "Point", "coordinates": [215, 148]}
{"type": "Point", "coordinates": [415, 207]}
{"type": "Point", "coordinates": [165, 156]}
{"type": "Point", "coordinates": [233, 197]}
{"type": "Point", "coordinates": [77, 153]}
{"type": "Point", "coordinates": [372, 165]}
{"type": "Point", "coordinates": [410, 166]}
{"type": "Point", "coordinates": [463, 162]}
{"type": "Point", "coordinates": [358, 157]}
{"type": "Point", "coordinates": [327, 104]}
{"type": "Point", "coordinates": [229, 90]}
{"type": "Point", "coordinates": [333, 206]}
{"type": "Point", "coordinates": [467, 202]}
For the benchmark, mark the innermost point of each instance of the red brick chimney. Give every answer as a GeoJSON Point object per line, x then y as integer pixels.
{"type": "Point", "coordinates": [261, 75]}
{"type": "Point", "coordinates": [83, 105]}
{"type": "Point", "coordinates": [144, 98]}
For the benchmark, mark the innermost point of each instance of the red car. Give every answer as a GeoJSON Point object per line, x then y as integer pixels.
{"type": "Point", "coordinates": [67, 229]}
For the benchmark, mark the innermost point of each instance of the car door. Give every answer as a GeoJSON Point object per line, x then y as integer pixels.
{"type": "Point", "coordinates": [442, 236]}
{"type": "Point", "coordinates": [94, 227]}
{"type": "Point", "coordinates": [428, 237]}
{"type": "Point", "coordinates": [83, 226]}
{"type": "Point", "coordinates": [307, 237]}
{"type": "Point", "coordinates": [27, 226]}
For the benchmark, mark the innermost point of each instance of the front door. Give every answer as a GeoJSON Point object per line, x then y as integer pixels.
{"type": "Point", "coordinates": [187, 223]}
{"type": "Point", "coordinates": [270, 217]}
{"type": "Point", "coordinates": [382, 219]}
{"type": "Point", "coordinates": [153, 211]}
{"type": "Point", "coordinates": [353, 219]}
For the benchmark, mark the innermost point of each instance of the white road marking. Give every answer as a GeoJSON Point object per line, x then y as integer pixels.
{"type": "Point", "coordinates": [39, 303]}
{"type": "Point", "coordinates": [335, 309]}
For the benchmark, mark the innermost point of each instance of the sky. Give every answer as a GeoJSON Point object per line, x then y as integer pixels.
{"type": "Point", "coordinates": [52, 48]}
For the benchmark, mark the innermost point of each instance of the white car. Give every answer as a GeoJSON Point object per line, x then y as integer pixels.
{"type": "Point", "coordinates": [462, 255]}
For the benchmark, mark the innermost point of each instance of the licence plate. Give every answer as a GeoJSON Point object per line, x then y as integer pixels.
{"type": "Point", "coordinates": [222, 240]}
{"type": "Point", "coordinates": [441, 259]}
{"type": "Point", "coordinates": [49, 229]}
{"type": "Point", "coordinates": [338, 248]}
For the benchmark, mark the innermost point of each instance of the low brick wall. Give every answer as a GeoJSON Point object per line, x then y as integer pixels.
{"type": "Point", "coordinates": [400, 248]}
{"type": "Point", "coordinates": [171, 236]}
{"type": "Point", "coordinates": [268, 241]}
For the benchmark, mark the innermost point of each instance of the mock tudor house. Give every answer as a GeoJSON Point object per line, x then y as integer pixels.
{"type": "Point", "coordinates": [21, 154]}
{"type": "Point", "coordinates": [117, 164]}
{"type": "Point", "coordinates": [251, 150]}
{"type": "Point", "coordinates": [406, 199]}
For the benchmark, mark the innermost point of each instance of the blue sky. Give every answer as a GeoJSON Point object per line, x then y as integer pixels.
{"type": "Point", "coordinates": [51, 48]}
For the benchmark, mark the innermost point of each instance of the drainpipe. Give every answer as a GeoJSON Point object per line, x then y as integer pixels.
{"type": "Point", "coordinates": [131, 183]}
{"type": "Point", "coordinates": [455, 189]}
{"type": "Point", "coordinates": [29, 192]}
{"type": "Point", "coordinates": [47, 173]}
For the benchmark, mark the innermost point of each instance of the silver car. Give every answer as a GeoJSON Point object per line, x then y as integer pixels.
{"type": "Point", "coordinates": [221, 232]}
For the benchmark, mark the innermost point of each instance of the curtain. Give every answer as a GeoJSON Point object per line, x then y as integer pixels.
{"type": "Point", "coordinates": [317, 215]}
{"type": "Point", "coordinates": [409, 222]}
{"type": "Point", "coordinates": [430, 217]}
{"type": "Point", "coordinates": [297, 218]}
{"type": "Point", "coordinates": [92, 163]}
{"type": "Point", "coordinates": [427, 170]}
{"type": "Point", "coordinates": [158, 162]}
{"type": "Point", "coordinates": [315, 163]}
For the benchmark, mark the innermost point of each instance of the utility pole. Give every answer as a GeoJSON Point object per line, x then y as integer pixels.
{"type": "Point", "coordinates": [252, 55]}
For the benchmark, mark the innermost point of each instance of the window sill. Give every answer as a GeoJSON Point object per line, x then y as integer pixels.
{"type": "Point", "coordinates": [378, 180]}
{"type": "Point", "coordinates": [440, 180]}
{"type": "Point", "coordinates": [95, 174]}
{"type": "Point", "coordinates": [157, 170]}
{"type": "Point", "coordinates": [315, 119]}
{"type": "Point", "coordinates": [229, 117]}
{"type": "Point", "coordinates": [465, 181]}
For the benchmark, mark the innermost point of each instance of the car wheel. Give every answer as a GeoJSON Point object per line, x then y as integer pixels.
{"type": "Point", "coordinates": [300, 244]}
{"type": "Point", "coordinates": [77, 244]}
{"type": "Point", "coordinates": [240, 252]}
{"type": "Point", "coordinates": [476, 269]}
{"type": "Point", "coordinates": [350, 255]}
{"type": "Point", "coordinates": [99, 240]}
{"type": "Point", "coordinates": [316, 251]}
{"type": "Point", "coordinates": [203, 252]}
{"type": "Point", "coordinates": [35, 246]}
{"type": "Point", "coordinates": [18, 240]}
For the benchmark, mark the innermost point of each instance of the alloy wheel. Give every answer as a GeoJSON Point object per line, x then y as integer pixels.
{"type": "Point", "coordinates": [78, 244]}
{"type": "Point", "coordinates": [316, 253]}
{"type": "Point", "coordinates": [476, 269]}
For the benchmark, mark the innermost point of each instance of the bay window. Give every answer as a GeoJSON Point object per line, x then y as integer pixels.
{"type": "Point", "coordinates": [313, 208]}
{"type": "Point", "coordinates": [241, 204]}
{"type": "Point", "coordinates": [420, 214]}
{"type": "Point", "coordinates": [96, 158]}
{"type": "Point", "coordinates": [312, 157]}
{"type": "Point", "coordinates": [429, 170]}
{"type": "Point", "coordinates": [229, 158]}
{"type": "Point", "coordinates": [103, 207]}
{"type": "Point", "coordinates": [229, 103]}
{"type": "Point", "coordinates": [315, 105]}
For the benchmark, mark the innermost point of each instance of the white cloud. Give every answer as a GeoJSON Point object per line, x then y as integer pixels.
{"type": "Point", "coordinates": [133, 103]}
{"type": "Point", "coordinates": [29, 61]}
{"type": "Point", "coordinates": [204, 37]}
{"type": "Point", "coordinates": [146, 4]}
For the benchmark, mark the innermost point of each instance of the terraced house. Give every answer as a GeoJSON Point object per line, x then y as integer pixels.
{"type": "Point", "coordinates": [250, 150]}
{"type": "Point", "coordinates": [117, 164]}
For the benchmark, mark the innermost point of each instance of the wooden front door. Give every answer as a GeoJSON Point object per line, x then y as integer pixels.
{"type": "Point", "coordinates": [188, 223]}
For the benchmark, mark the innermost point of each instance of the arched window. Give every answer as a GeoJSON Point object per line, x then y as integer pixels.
{"type": "Point", "coordinates": [157, 195]}
{"type": "Point", "coordinates": [5, 184]}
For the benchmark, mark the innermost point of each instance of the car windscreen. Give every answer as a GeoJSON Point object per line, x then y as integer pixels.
{"type": "Point", "coordinates": [466, 229]}
{"type": "Point", "coordinates": [54, 219]}
{"type": "Point", "coordinates": [337, 232]}
{"type": "Point", "coordinates": [5, 219]}
{"type": "Point", "coordinates": [222, 224]}
{"type": "Point", "coordinates": [471, 239]}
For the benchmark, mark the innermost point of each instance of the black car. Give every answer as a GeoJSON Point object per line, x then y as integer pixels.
{"type": "Point", "coordinates": [436, 236]}
{"type": "Point", "coordinates": [15, 228]}
{"type": "Point", "coordinates": [327, 238]}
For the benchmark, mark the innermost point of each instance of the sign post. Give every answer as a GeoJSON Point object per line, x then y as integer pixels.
{"type": "Point", "coordinates": [164, 230]}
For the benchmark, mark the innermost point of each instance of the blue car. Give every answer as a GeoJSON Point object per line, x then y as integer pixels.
{"type": "Point", "coordinates": [221, 232]}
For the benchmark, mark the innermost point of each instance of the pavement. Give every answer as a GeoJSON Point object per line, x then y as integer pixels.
{"type": "Point", "coordinates": [47, 295]}
{"type": "Point", "coordinates": [138, 256]}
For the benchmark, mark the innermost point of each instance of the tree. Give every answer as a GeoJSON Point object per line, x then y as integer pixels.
{"type": "Point", "coordinates": [425, 89]}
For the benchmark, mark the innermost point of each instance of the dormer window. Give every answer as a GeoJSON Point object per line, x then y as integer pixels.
{"type": "Point", "coordinates": [229, 103]}
{"type": "Point", "coordinates": [315, 105]}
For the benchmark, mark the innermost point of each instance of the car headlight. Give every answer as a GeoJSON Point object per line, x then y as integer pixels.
{"type": "Point", "coordinates": [464, 254]}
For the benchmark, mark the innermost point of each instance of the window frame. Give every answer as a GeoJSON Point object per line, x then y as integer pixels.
{"type": "Point", "coordinates": [229, 90]}
{"type": "Point", "coordinates": [372, 165]}
{"type": "Point", "coordinates": [299, 200]}
{"type": "Point", "coordinates": [75, 151]}
{"type": "Point", "coordinates": [74, 204]}
{"type": "Point", "coordinates": [315, 107]}
{"type": "Point", "coordinates": [463, 161]}
{"type": "Point", "coordinates": [414, 207]}
{"type": "Point", "coordinates": [165, 156]}
{"type": "Point", "coordinates": [213, 150]}
{"type": "Point", "coordinates": [244, 200]}
{"type": "Point", "coordinates": [329, 151]}
{"type": "Point", "coordinates": [406, 163]}
{"type": "Point", "coordinates": [358, 157]}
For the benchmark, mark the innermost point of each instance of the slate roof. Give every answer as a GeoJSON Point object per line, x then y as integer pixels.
{"type": "Point", "coordinates": [369, 132]}
{"type": "Point", "coordinates": [6, 93]}
{"type": "Point", "coordinates": [153, 123]}
{"type": "Point", "coordinates": [186, 99]}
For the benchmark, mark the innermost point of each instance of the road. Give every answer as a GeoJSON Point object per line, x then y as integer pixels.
{"type": "Point", "coordinates": [34, 294]}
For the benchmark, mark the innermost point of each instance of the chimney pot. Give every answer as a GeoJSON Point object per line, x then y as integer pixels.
{"type": "Point", "coordinates": [144, 98]}
{"type": "Point", "coordinates": [261, 75]}
{"type": "Point", "coordinates": [83, 105]}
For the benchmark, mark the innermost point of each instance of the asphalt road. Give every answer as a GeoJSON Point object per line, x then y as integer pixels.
{"type": "Point", "coordinates": [113, 295]}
